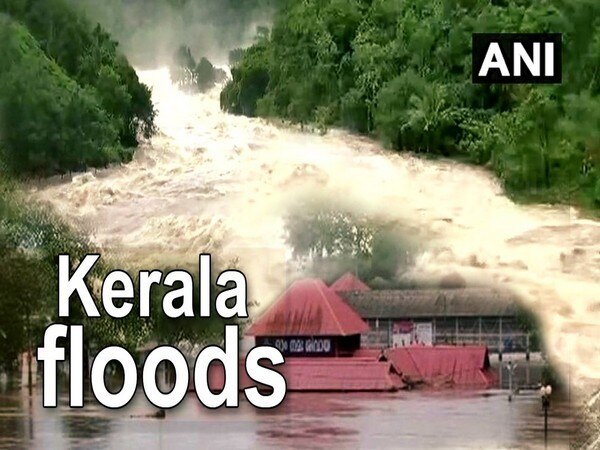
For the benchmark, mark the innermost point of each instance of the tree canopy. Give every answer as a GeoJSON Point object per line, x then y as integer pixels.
{"type": "Point", "coordinates": [68, 99]}
{"type": "Point", "coordinates": [401, 71]}
{"type": "Point", "coordinates": [192, 76]}
{"type": "Point", "coordinates": [333, 241]}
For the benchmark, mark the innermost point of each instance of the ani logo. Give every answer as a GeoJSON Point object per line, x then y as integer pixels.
{"type": "Point", "coordinates": [517, 58]}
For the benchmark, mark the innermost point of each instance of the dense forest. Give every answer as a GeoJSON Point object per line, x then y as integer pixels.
{"type": "Point", "coordinates": [68, 98]}
{"type": "Point", "coordinates": [401, 71]}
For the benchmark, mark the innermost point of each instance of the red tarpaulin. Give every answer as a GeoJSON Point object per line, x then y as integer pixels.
{"type": "Point", "coordinates": [309, 308]}
{"type": "Point", "coordinates": [349, 283]}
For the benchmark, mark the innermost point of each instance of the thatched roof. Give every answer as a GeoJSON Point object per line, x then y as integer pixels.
{"type": "Point", "coordinates": [407, 303]}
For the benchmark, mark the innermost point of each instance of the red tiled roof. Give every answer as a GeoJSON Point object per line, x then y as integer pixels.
{"type": "Point", "coordinates": [368, 370]}
{"type": "Point", "coordinates": [451, 365]}
{"type": "Point", "coordinates": [349, 283]}
{"type": "Point", "coordinates": [322, 374]}
{"type": "Point", "coordinates": [309, 308]}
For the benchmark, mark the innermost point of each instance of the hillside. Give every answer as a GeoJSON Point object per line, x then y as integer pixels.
{"type": "Point", "coordinates": [68, 99]}
{"type": "Point", "coordinates": [401, 71]}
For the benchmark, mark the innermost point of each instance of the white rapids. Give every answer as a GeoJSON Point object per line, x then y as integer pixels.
{"type": "Point", "coordinates": [213, 182]}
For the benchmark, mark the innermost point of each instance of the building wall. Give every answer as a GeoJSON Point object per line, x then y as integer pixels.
{"type": "Point", "coordinates": [497, 333]}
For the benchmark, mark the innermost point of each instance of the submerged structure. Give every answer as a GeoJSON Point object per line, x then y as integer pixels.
{"type": "Point", "coordinates": [441, 317]}
{"type": "Point", "coordinates": [319, 334]}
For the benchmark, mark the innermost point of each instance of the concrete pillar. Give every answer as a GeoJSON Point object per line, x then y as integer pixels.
{"type": "Point", "coordinates": [500, 340]}
{"type": "Point", "coordinates": [456, 330]}
{"type": "Point", "coordinates": [527, 363]}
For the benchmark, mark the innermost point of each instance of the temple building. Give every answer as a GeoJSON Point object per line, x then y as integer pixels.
{"type": "Point", "coordinates": [310, 319]}
{"type": "Point", "coordinates": [322, 337]}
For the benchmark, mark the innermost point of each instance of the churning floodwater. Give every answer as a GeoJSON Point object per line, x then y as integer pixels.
{"type": "Point", "coordinates": [411, 420]}
{"type": "Point", "coordinates": [213, 182]}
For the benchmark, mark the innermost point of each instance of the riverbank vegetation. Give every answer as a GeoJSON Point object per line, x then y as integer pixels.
{"type": "Point", "coordinates": [401, 71]}
{"type": "Point", "coordinates": [192, 76]}
{"type": "Point", "coordinates": [31, 238]}
{"type": "Point", "coordinates": [68, 98]}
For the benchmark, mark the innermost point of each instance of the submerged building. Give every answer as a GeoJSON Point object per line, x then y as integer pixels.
{"type": "Point", "coordinates": [322, 337]}
{"type": "Point", "coordinates": [310, 319]}
{"type": "Point", "coordinates": [465, 316]}
{"type": "Point", "coordinates": [319, 336]}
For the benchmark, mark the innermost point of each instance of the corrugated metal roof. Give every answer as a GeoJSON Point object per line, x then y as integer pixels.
{"type": "Point", "coordinates": [349, 283]}
{"type": "Point", "coordinates": [309, 308]}
{"type": "Point", "coordinates": [408, 303]}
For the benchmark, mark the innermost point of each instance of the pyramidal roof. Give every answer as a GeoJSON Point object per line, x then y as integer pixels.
{"type": "Point", "coordinates": [349, 283]}
{"type": "Point", "coordinates": [309, 308]}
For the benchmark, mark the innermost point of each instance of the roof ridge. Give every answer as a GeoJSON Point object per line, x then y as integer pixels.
{"type": "Point", "coordinates": [337, 322]}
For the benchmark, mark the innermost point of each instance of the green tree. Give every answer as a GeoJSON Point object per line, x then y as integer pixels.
{"type": "Point", "coordinates": [82, 51]}
{"type": "Point", "coordinates": [49, 123]}
{"type": "Point", "coordinates": [401, 71]}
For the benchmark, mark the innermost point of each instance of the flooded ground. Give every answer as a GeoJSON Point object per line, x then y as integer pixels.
{"type": "Point", "coordinates": [411, 420]}
{"type": "Point", "coordinates": [375, 420]}
{"type": "Point", "coordinates": [212, 182]}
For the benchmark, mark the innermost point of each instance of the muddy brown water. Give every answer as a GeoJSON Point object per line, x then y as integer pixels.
{"type": "Point", "coordinates": [411, 420]}
{"type": "Point", "coordinates": [213, 182]}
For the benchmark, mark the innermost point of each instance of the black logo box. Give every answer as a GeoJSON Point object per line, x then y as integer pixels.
{"type": "Point", "coordinates": [482, 41]}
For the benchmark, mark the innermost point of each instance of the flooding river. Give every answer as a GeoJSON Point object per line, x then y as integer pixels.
{"type": "Point", "coordinates": [410, 420]}
{"type": "Point", "coordinates": [212, 182]}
